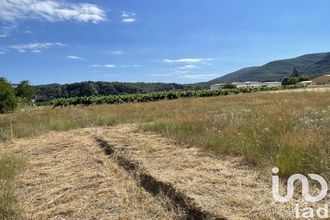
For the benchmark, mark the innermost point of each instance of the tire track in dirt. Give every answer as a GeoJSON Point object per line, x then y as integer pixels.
{"type": "Point", "coordinates": [156, 187]}
{"type": "Point", "coordinates": [220, 185]}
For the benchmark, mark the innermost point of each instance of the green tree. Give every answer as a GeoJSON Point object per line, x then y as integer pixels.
{"type": "Point", "coordinates": [25, 91]}
{"type": "Point", "coordinates": [8, 101]}
{"type": "Point", "coordinates": [295, 72]}
{"type": "Point", "coordinates": [229, 86]}
{"type": "Point", "coordinates": [290, 81]}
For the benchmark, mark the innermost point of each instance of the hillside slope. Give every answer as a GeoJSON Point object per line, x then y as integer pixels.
{"type": "Point", "coordinates": [310, 64]}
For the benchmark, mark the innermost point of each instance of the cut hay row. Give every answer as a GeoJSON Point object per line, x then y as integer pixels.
{"type": "Point", "coordinates": [223, 185]}
{"type": "Point", "coordinates": [67, 176]}
{"type": "Point", "coordinates": [156, 187]}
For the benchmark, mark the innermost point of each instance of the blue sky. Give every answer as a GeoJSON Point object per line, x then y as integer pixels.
{"type": "Point", "coordinates": [63, 41]}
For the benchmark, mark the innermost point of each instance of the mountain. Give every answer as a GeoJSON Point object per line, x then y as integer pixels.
{"type": "Point", "coordinates": [322, 66]}
{"type": "Point", "coordinates": [309, 65]}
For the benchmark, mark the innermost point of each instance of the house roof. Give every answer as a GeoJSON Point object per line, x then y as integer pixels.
{"type": "Point", "coordinates": [242, 83]}
{"type": "Point", "coordinates": [251, 82]}
{"type": "Point", "coordinates": [272, 82]}
{"type": "Point", "coordinates": [218, 84]}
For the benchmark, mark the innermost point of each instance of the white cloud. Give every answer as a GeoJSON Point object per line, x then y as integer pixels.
{"type": "Point", "coordinates": [128, 17]}
{"type": "Point", "coordinates": [188, 60]}
{"type": "Point", "coordinates": [28, 32]}
{"type": "Point", "coordinates": [35, 47]}
{"type": "Point", "coordinates": [188, 67]}
{"type": "Point", "coordinates": [182, 71]}
{"type": "Point", "coordinates": [109, 75]}
{"type": "Point", "coordinates": [50, 10]}
{"type": "Point", "coordinates": [117, 52]}
{"type": "Point", "coordinates": [199, 76]}
{"type": "Point", "coordinates": [117, 66]}
{"type": "Point", "coordinates": [128, 20]}
{"type": "Point", "coordinates": [74, 58]}
{"type": "Point", "coordinates": [3, 49]}
{"type": "Point", "coordinates": [161, 74]}
{"type": "Point", "coordinates": [5, 31]}
{"type": "Point", "coordinates": [177, 73]}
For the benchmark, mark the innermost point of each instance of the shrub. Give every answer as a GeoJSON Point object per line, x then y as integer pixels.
{"type": "Point", "coordinates": [8, 100]}
{"type": "Point", "coordinates": [290, 81]}
{"type": "Point", "coordinates": [26, 92]}
{"type": "Point", "coordinates": [229, 86]}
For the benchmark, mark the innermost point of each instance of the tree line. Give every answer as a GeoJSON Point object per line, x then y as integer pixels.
{"type": "Point", "coordinates": [46, 93]}
{"type": "Point", "coordinates": [24, 94]}
{"type": "Point", "coordinates": [11, 98]}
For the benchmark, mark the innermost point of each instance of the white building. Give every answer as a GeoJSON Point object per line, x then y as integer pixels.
{"type": "Point", "coordinates": [217, 86]}
{"type": "Point", "coordinates": [251, 84]}
{"type": "Point", "coordinates": [309, 82]}
{"type": "Point", "coordinates": [248, 84]}
{"type": "Point", "coordinates": [239, 85]}
{"type": "Point", "coordinates": [272, 84]}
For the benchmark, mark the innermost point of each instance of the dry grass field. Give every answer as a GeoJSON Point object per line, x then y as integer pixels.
{"type": "Point", "coordinates": [220, 184]}
{"type": "Point", "coordinates": [217, 141]}
{"type": "Point", "coordinates": [282, 129]}
{"type": "Point", "coordinates": [67, 176]}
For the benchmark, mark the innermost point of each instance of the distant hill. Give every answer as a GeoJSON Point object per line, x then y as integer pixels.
{"type": "Point", "coordinates": [310, 65]}
{"type": "Point", "coordinates": [49, 92]}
